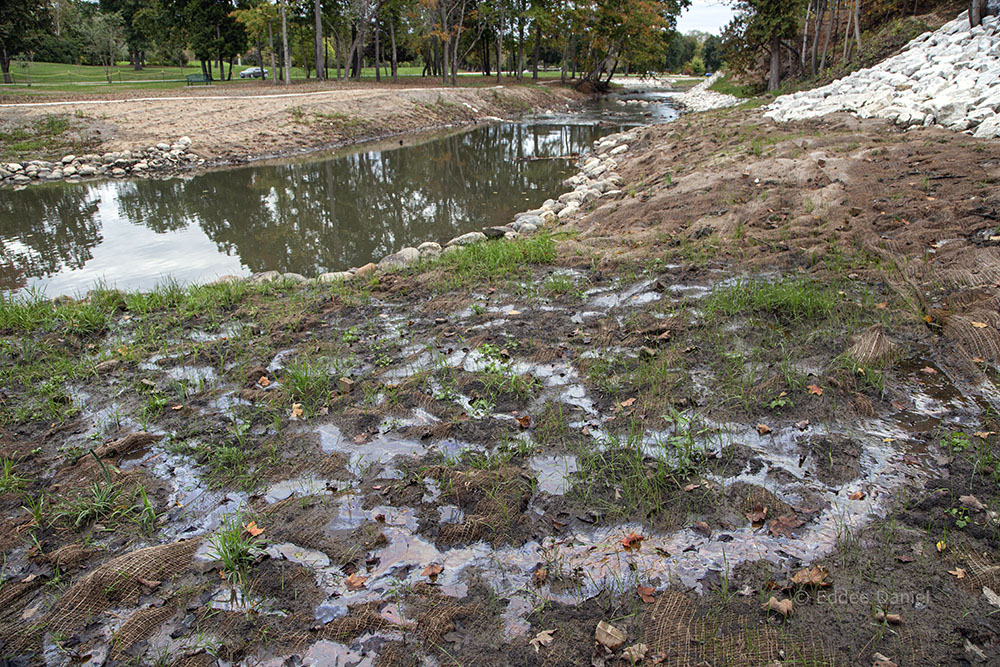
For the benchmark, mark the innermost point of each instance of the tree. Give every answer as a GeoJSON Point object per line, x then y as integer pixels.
{"type": "Point", "coordinates": [19, 21]}
{"type": "Point", "coordinates": [105, 38]}
{"type": "Point", "coordinates": [711, 53]}
{"type": "Point", "coordinates": [759, 27]}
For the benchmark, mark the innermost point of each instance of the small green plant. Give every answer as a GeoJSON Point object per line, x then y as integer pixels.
{"type": "Point", "coordinates": [956, 442]}
{"type": "Point", "coordinates": [960, 515]}
{"type": "Point", "coordinates": [236, 548]}
{"type": "Point", "coordinates": [9, 480]}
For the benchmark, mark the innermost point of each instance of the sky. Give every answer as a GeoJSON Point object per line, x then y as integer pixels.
{"type": "Point", "coordinates": [707, 15]}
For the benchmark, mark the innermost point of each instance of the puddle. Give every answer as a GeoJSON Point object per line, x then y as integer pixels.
{"type": "Point", "coordinates": [302, 486]}
{"type": "Point", "coordinates": [553, 472]}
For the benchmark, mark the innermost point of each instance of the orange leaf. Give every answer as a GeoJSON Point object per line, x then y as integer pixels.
{"type": "Point", "coordinates": [632, 541]}
{"type": "Point", "coordinates": [297, 411]}
{"type": "Point", "coordinates": [763, 429]}
{"type": "Point", "coordinates": [958, 572]}
{"type": "Point", "coordinates": [927, 370]}
{"type": "Point", "coordinates": [355, 582]}
{"type": "Point", "coordinates": [984, 434]}
{"type": "Point", "coordinates": [784, 525]}
{"type": "Point", "coordinates": [252, 528]}
{"type": "Point", "coordinates": [645, 593]}
{"type": "Point", "coordinates": [980, 325]}
{"type": "Point", "coordinates": [540, 575]}
{"type": "Point", "coordinates": [432, 571]}
{"type": "Point", "coordinates": [783, 607]}
{"type": "Point", "coordinates": [815, 389]}
{"type": "Point", "coordinates": [524, 421]}
{"type": "Point", "coordinates": [857, 495]}
{"type": "Point", "coordinates": [263, 381]}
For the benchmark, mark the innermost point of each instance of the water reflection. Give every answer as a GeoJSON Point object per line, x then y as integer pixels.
{"type": "Point", "coordinates": [307, 216]}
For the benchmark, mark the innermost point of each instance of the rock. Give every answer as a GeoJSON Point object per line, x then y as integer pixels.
{"type": "Point", "coordinates": [69, 171]}
{"type": "Point", "coordinates": [568, 211]}
{"type": "Point", "coordinates": [366, 270]}
{"type": "Point", "coordinates": [334, 276]}
{"type": "Point", "coordinates": [988, 129]}
{"type": "Point", "coordinates": [296, 278]}
{"type": "Point", "coordinates": [68, 159]}
{"type": "Point", "coordinates": [228, 278]}
{"type": "Point", "coordinates": [265, 277]}
{"type": "Point", "coordinates": [495, 232]}
{"type": "Point", "coordinates": [86, 170]}
{"type": "Point", "coordinates": [467, 239]}
{"type": "Point", "coordinates": [404, 257]}
{"type": "Point", "coordinates": [54, 175]}
{"type": "Point", "coordinates": [13, 167]}
{"type": "Point", "coordinates": [21, 179]}
{"type": "Point", "coordinates": [429, 249]}
{"type": "Point", "coordinates": [618, 150]}
{"type": "Point", "coordinates": [117, 172]}
{"type": "Point", "coordinates": [184, 141]}
{"type": "Point", "coordinates": [163, 147]}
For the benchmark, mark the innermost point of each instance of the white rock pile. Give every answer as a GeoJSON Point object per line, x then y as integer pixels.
{"type": "Point", "coordinates": [162, 157]}
{"type": "Point", "coordinates": [596, 179]}
{"type": "Point", "coordinates": [950, 77]}
{"type": "Point", "coordinates": [700, 98]}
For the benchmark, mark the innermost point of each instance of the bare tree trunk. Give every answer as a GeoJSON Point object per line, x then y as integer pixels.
{"type": "Point", "coordinates": [320, 54]}
{"type": "Point", "coordinates": [392, 36]}
{"type": "Point", "coordinates": [817, 28]}
{"type": "Point", "coordinates": [857, 25]}
{"type": "Point", "coordinates": [775, 78]}
{"type": "Point", "coordinates": [565, 60]}
{"type": "Point", "coordinates": [378, 59]}
{"type": "Point", "coordinates": [834, 14]}
{"type": "Point", "coordinates": [805, 35]}
{"type": "Point", "coordinates": [538, 51]}
{"type": "Point", "coordinates": [977, 9]}
{"type": "Point", "coordinates": [270, 45]}
{"type": "Point", "coordinates": [287, 57]}
{"type": "Point", "coordinates": [500, 43]}
{"type": "Point", "coordinates": [847, 30]}
{"type": "Point", "coordinates": [520, 45]}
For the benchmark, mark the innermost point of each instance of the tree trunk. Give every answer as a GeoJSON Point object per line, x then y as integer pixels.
{"type": "Point", "coordinates": [805, 36]}
{"type": "Point", "coordinates": [500, 44]}
{"type": "Point", "coordinates": [817, 28]}
{"type": "Point", "coordinates": [270, 46]}
{"type": "Point", "coordinates": [538, 51]}
{"type": "Point", "coordinates": [378, 59]}
{"type": "Point", "coordinates": [565, 60]}
{"type": "Point", "coordinates": [392, 36]}
{"type": "Point", "coordinates": [320, 54]}
{"type": "Point", "coordinates": [834, 16]}
{"type": "Point", "coordinates": [774, 80]}
{"type": "Point", "coordinates": [520, 46]}
{"type": "Point", "coordinates": [286, 56]}
{"type": "Point", "coordinates": [229, 76]}
{"type": "Point", "coordinates": [857, 25]}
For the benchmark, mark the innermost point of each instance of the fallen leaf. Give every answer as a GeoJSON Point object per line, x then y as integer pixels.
{"type": "Point", "coordinates": [857, 495]}
{"type": "Point", "coordinates": [758, 514]}
{"type": "Point", "coordinates": [148, 585]}
{"type": "Point", "coordinates": [543, 638]}
{"type": "Point", "coordinates": [927, 370]}
{"type": "Point", "coordinates": [175, 408]}
{"type": "Point", "coordinates": [632, 541]}
{"type": "Point", "coordinates": [783, 607]}
{"type": "Point", "coordinates": [991, 596]}
{"type": "Point", "coordinates": [958, 572]}
{"type": "Point", "coordinates": [882, 305]}
{"type": "Point", "coordinates": [297, 411]}
{"type": "Point", "coordinates": [891, 619]}
{"type": "Point", "coordinates": [629, 402]}
{"type": "Point", "coordinates": [609, 636]}
{"type": "Point", "coordinates": [763, 429]}
{"type": "Point", "coordinates": [540, 575]}
{"type": "Point", "coordinates": [980, 325]}
{"type": "Point", "coordinates": [978, 360]}
{"type": "Point", "coordinates": [984, 434]}
{"type": "Point", "coordinates": [263, 381]}
{"type": "Point", "coordinates": [524, 421]}
{"type": "Point", "coordinates": [355, 582]}
{"type": "Point", "coordinates": [702, 527]}
{"type": "Point", "coordinates": [882, 661]}
{"type": "Point", "coordinates": [252, 528]}
{"type": "Point", "coordinates": [899, 405]}
{"type": "Point", "coordinates": [693, 486]}
{"type": "Point", "coordinates": [811, 576]}
{"type": "Point", "coordinates": [645, 593]}
{"type": "Point", "coordinates": [432, 571]}
{"type": "Point", "coordinates": [635, 653]}
{"type": "Point", "coordinates": [815, 389]}
{"type": "Point", "coordinates": [802, 425]}
{"type": "Point", "coordinates": [905, 558]}
{"type": "Point", "coordinates": [941, 545]}
{"type": "Point", "coordinates": [972, 503]}
{"type": "Point", "coordinates": [784, 525]}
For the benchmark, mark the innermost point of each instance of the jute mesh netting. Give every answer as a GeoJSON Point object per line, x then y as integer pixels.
{"type": "Point", "coordinates": [140, 626]}
{"type": "Point", "coordinates": [493, 500]}
{"type": "Point", "coordinates": [676, 637]}
{"type": "Point", "coordinates": [115, 583]}
{"type": "Point", "coordinates": [982, 572]}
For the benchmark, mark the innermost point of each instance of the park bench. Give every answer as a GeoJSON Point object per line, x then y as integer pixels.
{"type": "Point", "coordinates": [197, 78]}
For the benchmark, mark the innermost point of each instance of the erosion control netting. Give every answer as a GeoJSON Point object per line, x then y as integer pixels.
{"type": "Point", "coordinates": [873, 348]}
{"type": "Point", "coordinates": [677, 637]}
{"type": "Point", "coordinates": [303, 521]}
{"type": "Point", "coordinates": [140, 626]}
{"type": "Point", "coordinates": [494, 502]}
{"type": "Point", "coordinates": [113, 584]}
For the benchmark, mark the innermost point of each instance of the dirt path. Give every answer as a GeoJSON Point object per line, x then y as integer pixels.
{"type": "Point", "coordinates": [263, 122]}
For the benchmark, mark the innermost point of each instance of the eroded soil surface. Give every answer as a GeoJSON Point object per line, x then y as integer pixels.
{"type": "Point", "coordinates": [260, 119]}
{"type": "Point", "coordinates": [765, 370]}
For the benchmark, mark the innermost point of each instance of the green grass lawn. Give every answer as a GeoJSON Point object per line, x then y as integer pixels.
{"type": "Point", "coordinates": [39, 77]}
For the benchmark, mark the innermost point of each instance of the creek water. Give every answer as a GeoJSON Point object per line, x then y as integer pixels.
{"type": "Point", "coordinates": [320, 212]}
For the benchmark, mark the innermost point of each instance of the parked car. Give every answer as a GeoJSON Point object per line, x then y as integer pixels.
{"type": "Point", "coordinates": [253, 73]}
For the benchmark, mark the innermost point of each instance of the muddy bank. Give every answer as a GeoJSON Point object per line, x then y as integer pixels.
{"type": "Point", "coordinates": [746, 374]}
{"type": "Point", "coordinates": [225, 127]}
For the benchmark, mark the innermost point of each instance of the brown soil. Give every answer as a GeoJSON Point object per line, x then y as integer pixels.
{"type": "Point", "coordinates": [259, 120]}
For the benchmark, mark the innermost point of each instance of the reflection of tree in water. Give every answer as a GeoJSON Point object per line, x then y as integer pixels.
{"type": "Point", "coordinates": [343, 211]}
{"type": "Point", "coordinates": [306, 217]}
{"type": "Point", "coordinates": [46, 229]}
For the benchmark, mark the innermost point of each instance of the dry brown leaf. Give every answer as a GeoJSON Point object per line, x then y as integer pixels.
{"type": "Point", "coordinates": [702, 527]}
{"type": "Point", "coordinates": [355, 582]}
{"type": "Point", "coordinates": [958, 572]}
{"type": "Point", "coordinates": [984, 434]}
{"type": "Point", "coordinates": [784, 525]}
{"type": "Point", "coordinates": [646, 593]}
{"type": "Point", "coordinates": [635, 653]}
{"type": "Point", "coordinates": [783, 607]}
{"type": "Point", "coordinates": [882, 661]}
{"type": "Point", "coordinates": [763, 429]}
{"type": "Point", "coordinates": [609, 636]}
{"type": "Point", "coordinates": [857, 495]}
{"type": "Point", "coordinates": [891, 619]}
{"type": "Point", "coordinates": [632, 541]}
{"type": "Point", "coordinates": [252, 528]}
{"type": "Point", "coordinates": [263, 381]}
{"type": "Point", "coordinates": [297, 411]}
{"type": "Point", "coordinates": [815, 389]}
{"type": "Point", "coordinates": [971, 502]}
{"type": "Point", "coordinates": [524, 421]}
{"type": "Point", "coordinates": [758, 514]}
{"type": "Point", "coordinates": [543, 638]}
{"type": "Point", "coordinates": [811, 576]}
{"type": "Point", "coordinates": [627, 403]}
{"type": "Point", "coordinates": [980, 325]}
{"type": "Point", "coordinates": [694, 485]}
{"type": "Point", "coordinates": [927, 370]}
{"type": "Point", "coordinates": [149, 585]}
{"type": "Point", "coordinates": [432, 571]}
{"type": "Point", "coordinates": [540, 575]}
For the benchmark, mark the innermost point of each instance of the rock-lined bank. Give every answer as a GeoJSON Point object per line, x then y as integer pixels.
{"type": "Point", "coordinates": [701, 98]}
{"type": "Point", "coordinates": [162, 159]}
{"type": "Point", "coordinates": [595, 180]}
{"type": "Point", "coordinates": [950, 77]}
